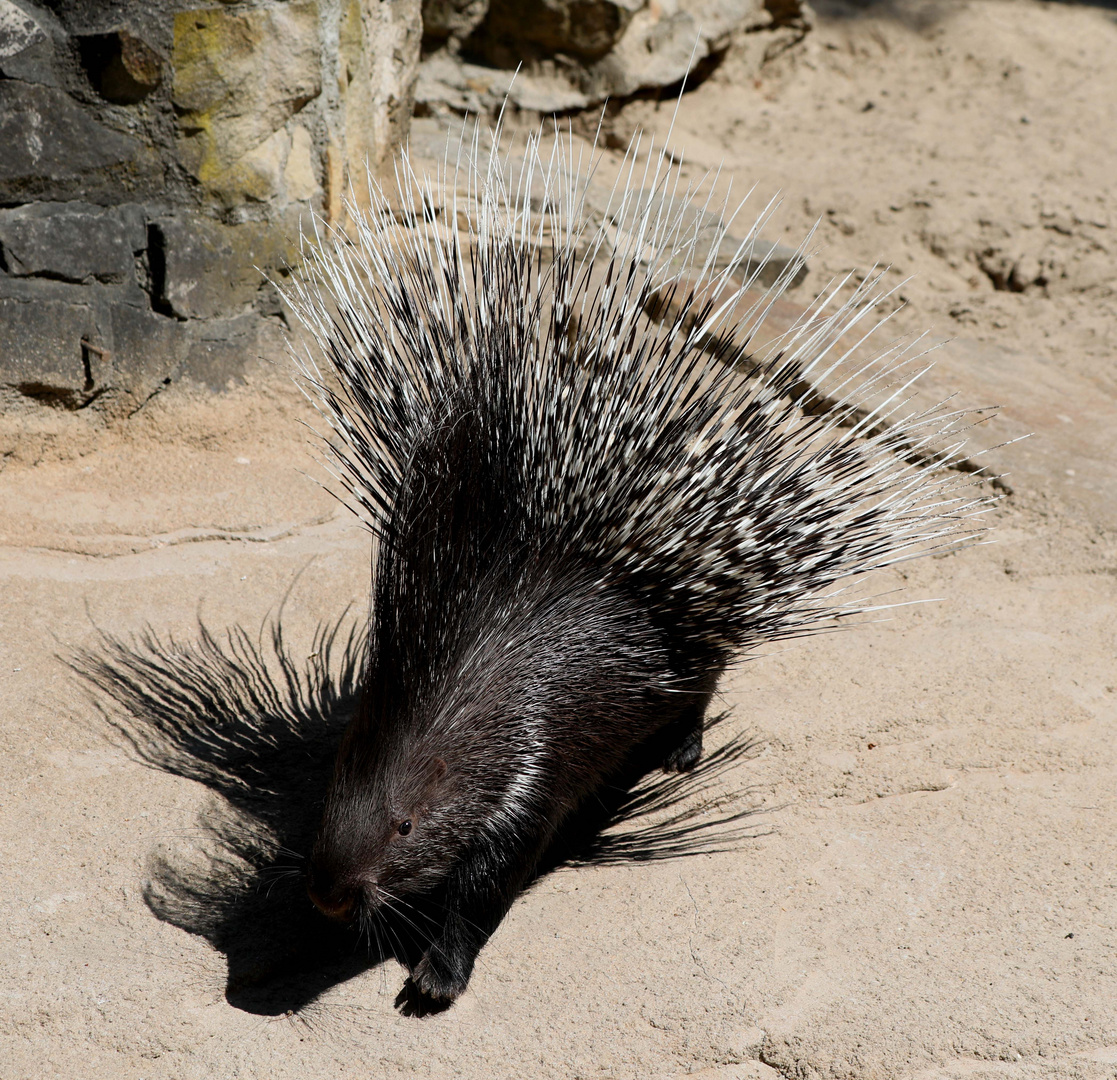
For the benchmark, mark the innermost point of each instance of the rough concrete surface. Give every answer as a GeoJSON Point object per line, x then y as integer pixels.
{"type": "Point", "coordinates": [931, 890]}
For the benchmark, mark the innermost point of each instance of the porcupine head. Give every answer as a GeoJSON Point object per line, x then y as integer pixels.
{"type": "Point", "coordinates": [580, 514]}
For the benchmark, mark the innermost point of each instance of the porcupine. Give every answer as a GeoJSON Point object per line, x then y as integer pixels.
{"type": "Point", "coordinates": [580, 517]}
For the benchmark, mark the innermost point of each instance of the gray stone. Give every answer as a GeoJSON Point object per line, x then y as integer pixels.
{"type": "Point", "coordinates": [660, 46]}
{"type": "Point", "coordinates": [67, 345]}
{"type": "Point", "coordinates": [29, 56]}
{"type": "Point", "coordinates": [72, 241]}
{"type": "Point", "coordinates": [147, 351]}
{"type": "Point", "coordinates": [451, 20]}
{"type": "Point", "coordinates": [35, 64]}
{"type": "Point", "coordinates": [42, 327]}
{"type": "Point", "coordinates": [519, 30]}
{"type": "Point", "coordinates": [111, 110]}
{"type": "Point", "coordinates": [219, 350]}
{"type": "Point", "coordinates": [54, 150]}
{"type": "Point", "coordinates": [18, 30]}
{"type": "Point", "coordinates": [445, 81]}
{"type": "Point", "coordinates": [579, 53]}
{"type": "Point", "coordinates": [211, 270]}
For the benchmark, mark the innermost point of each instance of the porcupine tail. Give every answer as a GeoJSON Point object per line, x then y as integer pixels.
{"type": "Point", "coordinates": [514, 289]}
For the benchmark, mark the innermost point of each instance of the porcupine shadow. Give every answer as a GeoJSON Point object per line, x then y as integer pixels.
{"type": "Point", "coordinates": [258, 724]}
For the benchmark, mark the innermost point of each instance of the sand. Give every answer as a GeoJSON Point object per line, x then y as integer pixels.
{"type": "Point", "coordinates": [931, 890]}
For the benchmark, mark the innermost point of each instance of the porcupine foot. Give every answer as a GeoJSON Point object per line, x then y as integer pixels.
{"type": "Point", "coordinates": [444, 970]}
{"type": "Point", "coordinates": [439, 977]}
{"type": "Point", "coordinates": [478, 895]}
{"type": "Point", "coordinates": [685, 756]}
{"type": "Point", "coordinates": [687, 729]}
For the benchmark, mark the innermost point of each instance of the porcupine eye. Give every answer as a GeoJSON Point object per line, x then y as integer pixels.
{"type": "Point", "coordinates": [404, 828]}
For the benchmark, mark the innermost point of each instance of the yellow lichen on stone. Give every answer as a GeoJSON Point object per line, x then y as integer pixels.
{"type": "Point", "coordinates": [238, 78]}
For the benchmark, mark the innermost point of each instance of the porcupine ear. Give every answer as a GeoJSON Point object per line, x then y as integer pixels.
{"type": "Point", "coordinates": [436, 772]}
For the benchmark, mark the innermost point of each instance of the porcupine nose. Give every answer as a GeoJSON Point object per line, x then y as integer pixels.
{"type": "Point", "coordinates": [335, 902]}
{"type": "Point", "coordinates": [340, 908]}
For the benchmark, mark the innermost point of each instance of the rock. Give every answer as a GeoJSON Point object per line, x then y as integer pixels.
{"type": "Point", "coordinates": [139, 61]}
{"type": "Point", "coordinates": [18, 31]}
{"type": "Point", "coordinates": [451, 21]}
{"type": "Point", "coordinates": [446, 82]}
{"type": "Point", "coordinates": [767, 260]}
{"type": "Point", "coordinates": [665, 41]}
{"type": "Point", "coordinates": [26, 48]}
{"type": "Point", "coordinates": [209, 270]}
{"type": "Point", "coordinates": [42, 326]}
{"type": "Point", "coordinates": [515, 31]}
{"type": "Point", "coordinates": [300, 180]}
{"type": "Point", "coordinates": [219, 350]}
{"type": "Point", "coordinates": [35, 64]}
{"type": "Point", "coordinates": [147, 352]}
{"type": "Point", "coordinates": [53, 150]}
{"type": "Point", "coordinates": [72, 241]}
{"type": "Point", "coordinates": [256, 176]}
{"type": "Point", "coordinates": [579, 53]}
{"type": "Point", "coordinates": [547, 90]}
{"type": "Point", "coordinates": [238, 78]}
{"type": "Point", "coordinates": [66, 345]}
{"type": "Point", "coordinates": [379, 57]}
{"type": "Point", "coordinates": [192, 113]}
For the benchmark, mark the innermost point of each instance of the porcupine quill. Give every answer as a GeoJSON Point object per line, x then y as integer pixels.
{"type": "Point", "coordinates": [580, 517]}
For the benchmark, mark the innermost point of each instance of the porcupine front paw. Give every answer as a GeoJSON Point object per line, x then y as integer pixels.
{"type": "Point", "coordinates": [439, 977]}
{"type": "Point", "coordinates": [685, 756]}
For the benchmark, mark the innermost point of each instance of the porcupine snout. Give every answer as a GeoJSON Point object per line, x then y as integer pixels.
{"type": "Point", "coordinates": [336, 901]}
{"type": "Point", "coordinates": [333, 887]}
{"type": "Point", "coordinates": [340, 906]}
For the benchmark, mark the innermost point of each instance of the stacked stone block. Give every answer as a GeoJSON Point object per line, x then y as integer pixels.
{"type": "Point", "coordinates": [156, 161]}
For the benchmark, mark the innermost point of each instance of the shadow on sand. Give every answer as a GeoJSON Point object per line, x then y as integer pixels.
{"type": "Point", "coordinates": [257, 722]}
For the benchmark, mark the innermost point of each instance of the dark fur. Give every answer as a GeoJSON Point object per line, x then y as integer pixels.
{"type": "Point", "coordinates": [580, 519]}
{"type": "Point", "coordinates": [518, 668]}
{"type": "Point", "coordinates": [257, 720]}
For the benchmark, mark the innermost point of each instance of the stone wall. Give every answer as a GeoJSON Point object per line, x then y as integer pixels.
{"type": "Point", "coordinates": [156, 156]}
{"type": "Point", "coordinates": [159, 157]}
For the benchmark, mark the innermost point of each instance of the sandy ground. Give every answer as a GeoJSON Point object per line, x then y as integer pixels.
{"type": "Point", "coordinates": [932, 889]}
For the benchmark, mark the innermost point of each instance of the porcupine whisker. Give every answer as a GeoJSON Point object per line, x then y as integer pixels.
{"type": "Point", "coordinates": [403, 906]}
{"type": "Point", "coordinates": [407, 915]}
{"type": "Point", "coordinates": [398, 910]}
{"type": "Point", "coordinates": [378, 933]}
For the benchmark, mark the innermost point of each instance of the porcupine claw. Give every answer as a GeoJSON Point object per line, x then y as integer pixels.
{"type": "Point", "coordinates": [437, 979]}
